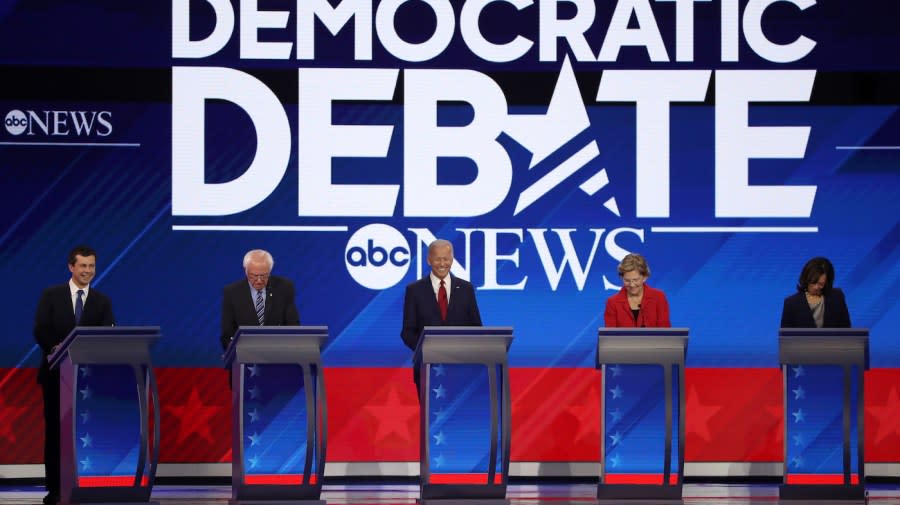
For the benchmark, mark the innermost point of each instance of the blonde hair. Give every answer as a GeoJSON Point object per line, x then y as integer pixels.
{"type": "Point", "coordinates": [634, 262]}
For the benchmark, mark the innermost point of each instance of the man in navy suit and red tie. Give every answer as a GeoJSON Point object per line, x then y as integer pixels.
{"type": "Point", "coordinates": [60, 309]}
{"type": "Point", "coordinates": [439, 299]}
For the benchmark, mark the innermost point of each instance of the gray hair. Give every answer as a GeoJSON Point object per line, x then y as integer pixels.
{"type": "Point", "coordinates": [440, 243]}
{"type": "Point", "coordinates": [257, 255]}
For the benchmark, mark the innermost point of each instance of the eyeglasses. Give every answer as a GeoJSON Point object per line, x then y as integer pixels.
{"type": "Point", "coordinates": [633, 282]}
{"type": "Point", "coordinates": [257, 277]}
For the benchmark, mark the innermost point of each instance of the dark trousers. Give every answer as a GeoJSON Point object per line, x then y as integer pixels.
{"type": "Point", "coordinates": [50, 390]}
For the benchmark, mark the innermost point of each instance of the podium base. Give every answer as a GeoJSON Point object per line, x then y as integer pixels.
{"type": "Point", "coordinates": [110, 502]}
{"type": "Point", "coordinates": [275, 502]}
{"type": "Point", "coordinates": [462, 501]}
{"type": "Point", "coordinates": [639, 494]}
{"type": "Point", "coordinates": [822, 492]}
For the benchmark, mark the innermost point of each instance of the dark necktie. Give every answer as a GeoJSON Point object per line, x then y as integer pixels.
{"type": "Point", "coordinates": [442, 301]}
{"type": "Point", "coordinates": [260, 308]}
{"type": "Point", "coordinates": [79, 306]}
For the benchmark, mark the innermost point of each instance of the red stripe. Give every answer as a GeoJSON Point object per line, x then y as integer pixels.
{"type": "Point", "coordinates": [638, 478]}
{"type": "Point", "coordinates": [820, 478]}
{"type": "Point", "coordinates": [110, 481]}
{"type": "Point", "coordinates": [463, 478]}
{"type": "Point", "coordinates": [263, 479]}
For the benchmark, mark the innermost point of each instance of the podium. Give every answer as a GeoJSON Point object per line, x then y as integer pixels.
{"type": "Point", "coordinates": [823, 412]}
{"type": "Point", "coordinates": [279, 428]}
{"type": "Point", "coordinates": [642, 413]}
{"type": "Point", "coordinates": [464, 414]}
{"type": "Point", "coordinates": [109, 414]}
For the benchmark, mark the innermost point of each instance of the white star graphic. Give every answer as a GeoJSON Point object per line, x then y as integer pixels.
{"type": "Point", "coordinates": [85, 464]}
{"type": "Point", "coordinates": [254, 370]}
{"type": "Point", "coordinates": [254, 461]}
{"type": "Point", "coordinates": [616, 392]}
{"type": "Point", "coordinates": [87, 441]}
{"type": "Point", "coordinates": [254, 439]}
{"type": "Point", "coordinates": [438, 370]}
{"type": "Point", "coordinates": [799, 393]}
{"type": "Point", "coordinates": [799, 416]}
{"type": "Point", "coordinates": [85, 416]}
{"type": "Point", "coordinates": [254, 415]}
{"type": "Point", "coordinates": [254, 392]}
{"type": "Point", "coordinates": [798, 438]}
{"type": "Point", "coordinates": [615, 460]}
{"type": "Point", "coordinates": [616, 438]}
{"type": "Point", "coordinates": [616, 415]}
{"type": "Point", "coordinates": [798, 371]}
{"type": "Point", "coordinates": [440, 438]}
{"type": "Point", "coordinates": [439, 392]}
{"type": "Point", "coordinates": [85, 371]}
{"type": "Point", "coordinates": [797, 462]}
{"type": "Point", "coordinates": [85, 393]}
{"type": "Point", "coordinates": [616, 370]}
{"type": "Point", "coordinates": [439, 461]}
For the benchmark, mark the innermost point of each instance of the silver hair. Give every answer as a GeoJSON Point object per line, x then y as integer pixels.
{"type": "Point", "coordinates": [438, 243]}
{"type": "Point", "coordinates": [259, 254]}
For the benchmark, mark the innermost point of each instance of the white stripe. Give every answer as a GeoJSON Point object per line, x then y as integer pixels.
{"type": "Point", "coordinates": [556, 176]}
{"type": "Point", "coordinates": [734, 229]}
{"type": "Point", "coordinates": [200, 227]}
{"type": "Point", "coordinates": [595, 183]}
{"type": "Point", "coordinates": [77, 144]}
{"type": "Point", "coordinates": [867, 148]}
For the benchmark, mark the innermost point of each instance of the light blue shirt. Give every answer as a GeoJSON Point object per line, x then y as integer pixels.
{"type": "Point", "coordinates": [253, 293]}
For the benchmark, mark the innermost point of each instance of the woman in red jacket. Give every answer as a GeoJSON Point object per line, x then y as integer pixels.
{"type": "Point", "coordinates": [636, 305]}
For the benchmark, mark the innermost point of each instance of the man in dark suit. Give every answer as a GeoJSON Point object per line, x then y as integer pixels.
{"type": "Point", "coordinates": [262, 299]}
{"type": "Point", "coordinates": [59, 310]}
{"type": "Point", "coordinates": [439, 299]}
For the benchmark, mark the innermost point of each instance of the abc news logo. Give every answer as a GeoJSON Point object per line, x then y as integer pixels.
{"type": "Point", "coordinates": [59, 123]}
{"type": "Point", "coordinates": [377, 256]}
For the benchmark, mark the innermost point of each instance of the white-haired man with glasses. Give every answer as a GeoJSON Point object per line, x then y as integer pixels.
{"type": "Point", "coordinates": [260, 299]}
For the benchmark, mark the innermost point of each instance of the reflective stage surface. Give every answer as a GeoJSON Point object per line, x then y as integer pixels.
{"type": "Point", "coordinates": [544, 494]}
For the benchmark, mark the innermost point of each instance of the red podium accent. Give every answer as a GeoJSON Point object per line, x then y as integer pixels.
{"type": "Point", "coordinates": [463, 478]}
{"type": "Point", "coordinates": [818, 478]}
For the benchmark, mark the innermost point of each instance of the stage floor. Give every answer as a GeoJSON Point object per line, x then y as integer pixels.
{"type": "Point", "coordinates": [545, 494]}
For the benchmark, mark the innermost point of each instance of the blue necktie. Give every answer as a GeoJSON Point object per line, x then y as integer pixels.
{"type": "Point", "coordinates": [79, 306]}
{"type": "Point", "coordinates": [260, 308]}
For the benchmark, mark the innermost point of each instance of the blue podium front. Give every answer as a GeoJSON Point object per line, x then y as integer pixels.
{"type": "Point", "coordinates": [109, 414]}
{"type": "Point", "coordinates": [642, 413]}
{"type": "Point", "coordinates": [279, 428]}
{"type": "Point", "coordinates": [465, 414]}
{"type": "Point", "coordinates": [823, 412]}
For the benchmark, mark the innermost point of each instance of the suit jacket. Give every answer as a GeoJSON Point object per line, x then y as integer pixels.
{"type": "Point", "coordinates": [55, 319]}
{"type": "Point", "coordinates": [654, 310]}
{"type": "Point", "coordinates": [420, 308]}
{"type": "Point", "coordinates": [796, 312]}
{"type": "Point", "coordinates": [239, 307]}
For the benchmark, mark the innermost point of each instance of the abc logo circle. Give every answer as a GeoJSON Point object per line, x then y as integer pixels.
{"type": "Point", "coordinates": [15, 122]}
{"type": "Point", "coordinates": [377, 256]}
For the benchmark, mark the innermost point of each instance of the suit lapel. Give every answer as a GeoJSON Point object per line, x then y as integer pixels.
{"type": "Point", "coordinates": [65, 299]}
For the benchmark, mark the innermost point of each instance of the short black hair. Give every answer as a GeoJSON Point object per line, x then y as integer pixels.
{"type": "Point", "coordinates": [81, 250]}
{"type": "Point", "coordinates": [812, 270]}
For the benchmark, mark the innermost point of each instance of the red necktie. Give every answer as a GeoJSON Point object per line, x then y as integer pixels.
{"type": "Point", "coordinates": [442, 301]}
